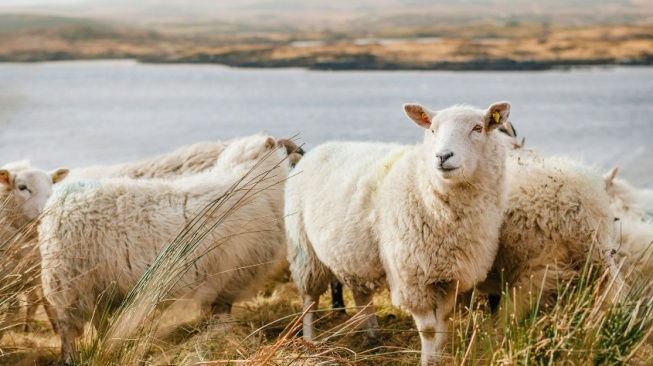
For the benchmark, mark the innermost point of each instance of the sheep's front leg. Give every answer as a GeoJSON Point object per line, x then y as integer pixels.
{"type": "Point", "coordinates": [427, 325]}
{"type": "Point", "coordinates": [442, 312]}
{"type": "Point", "coordinates": [366, 306]}
{"type": "Point", "coordinates": [309, 316]}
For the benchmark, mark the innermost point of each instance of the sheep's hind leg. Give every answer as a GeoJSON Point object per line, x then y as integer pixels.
{"type": "Point", "coordinates": [366, 306]}
{"type": "Point", "coordinates": [312, 303]}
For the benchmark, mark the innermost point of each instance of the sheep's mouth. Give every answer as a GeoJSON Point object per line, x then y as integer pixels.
{"type": "Point", "coordinates": [448, 169]}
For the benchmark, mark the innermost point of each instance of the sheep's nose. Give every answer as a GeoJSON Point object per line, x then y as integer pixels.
{"type": "Point", "coordinates": [444, 156]}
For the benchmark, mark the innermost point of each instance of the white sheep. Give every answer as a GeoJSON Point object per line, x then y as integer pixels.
{"type": "Point", "coordinates": [558, 213]}
{"type": "Point", "coordinates": [98, 232]}
{"type": "Point", "coordinates": [186, 160]}
{"type": "Point", "coordinates": [425, 219]}
{"type": "Point", "coordinates": [634, 210]}
{"type": "Point", "coordinates": [23, 193]}
{"type": "Point", "coordinates": [626, 200]}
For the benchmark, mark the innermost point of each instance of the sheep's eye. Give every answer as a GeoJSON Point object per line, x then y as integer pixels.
{"type": "Point", "coordinates": [433, 132]}
{"type": "Point", "coordinates": [478, 128]}
{"type": "Point", "coordinates": [22, 187]}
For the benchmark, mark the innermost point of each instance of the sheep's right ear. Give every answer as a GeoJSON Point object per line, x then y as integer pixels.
{"type": "Point", "coordinates": [59, 174]}
{"type": "Point", "coordinates": [609, 177]}
{"type": "Point", "coordinates": [5, 177]}
{"type": "Point", "coordinates": [497, 115]}
{"type": "Point", "coordinates": [419, 114]}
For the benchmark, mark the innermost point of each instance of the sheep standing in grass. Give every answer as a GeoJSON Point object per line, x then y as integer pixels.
{"type": "Point", "coordinates": [96, 233]}
{"type": "Point", "coordinates": [558, 214]}
{"type": "Point", "coordinates": [423, 218]}
{"type": "Point", "coordinates": [23, 193]}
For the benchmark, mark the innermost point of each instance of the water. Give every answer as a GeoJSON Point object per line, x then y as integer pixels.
{"type": "Point", "coordinates": [102, 112]}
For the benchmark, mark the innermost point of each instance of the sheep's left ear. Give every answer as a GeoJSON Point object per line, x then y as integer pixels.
{"type": "Point", "coordinates": [59, 174]}
{"type": "Point", "coordinates": [419, 114]}
{"type": "Point", "coordinates": [5, 177]}
{"type": "Point", "coordinates": [497, 115]}
{"type": "Point", "coordinates": [609, 177]}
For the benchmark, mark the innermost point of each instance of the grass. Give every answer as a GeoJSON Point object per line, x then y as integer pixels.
{"type": "Point", "coordinates": [583, 327]}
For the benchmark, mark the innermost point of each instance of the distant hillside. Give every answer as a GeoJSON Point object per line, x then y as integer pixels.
{"type": "Point", "coordinates": [206, 16]}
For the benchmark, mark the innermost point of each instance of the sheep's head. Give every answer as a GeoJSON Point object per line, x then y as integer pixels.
{"type": "Point", "coordinates": [28, 189]}
{"type": "Point", "coordinates": [243, 150]}
{"type": "Point", "coordinates": [457, 139]}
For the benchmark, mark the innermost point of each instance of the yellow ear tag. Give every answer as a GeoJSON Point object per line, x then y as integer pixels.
{"type": "Point", "coordinates": [55, 176]}
{"type": "Point", "coordinates": [496, 116]}
{"type": "Point", "coordinates": [425, 118]}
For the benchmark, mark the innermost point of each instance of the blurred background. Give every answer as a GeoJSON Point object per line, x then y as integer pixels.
{"type": "Point", "coordinates": [87, 82]}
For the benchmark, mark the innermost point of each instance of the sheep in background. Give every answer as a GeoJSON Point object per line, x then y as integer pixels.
{"type": "Point", "coordinates": [634, 210]}
{"type": "Point", "coordinates": [186, 160]}
{"type": "Point", "coordinates": [558, 213]}
{"type": "Point", "coordinates": [98, 232]}
{"type": "Point", "coordinates": [423, 218]}
{"type": "Point", "coordinates": [23, 193]}
{"type": "Point", "coordinates": [626, 200]}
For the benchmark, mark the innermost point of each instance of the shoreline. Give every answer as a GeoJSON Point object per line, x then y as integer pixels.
{"type": "Point", "coordinates": [358, 63]}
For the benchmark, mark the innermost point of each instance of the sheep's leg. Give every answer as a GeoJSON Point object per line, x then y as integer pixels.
{"type": "Point", "coordinates": [337, 299]}
{"type": "Point", "coordinates": [33, 298]}
{"type": "Point", "coordinates": [9, 320]}
{"type": "Point", "coordinates": [68, 333]}
{"type": "Point", "coordinates": [427, 324]}
{"type": "Point", "coordinates": [442, 312]}
{"type": "Point", "coordinates": [52, 315]}
{"type": "Point", "coordinates": [309, 316]}
{"type": "Point", "coordinates": [365, 303]}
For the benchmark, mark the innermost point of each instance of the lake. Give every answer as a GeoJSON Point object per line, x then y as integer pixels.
{"type": "Point", "coordinates": [82, 113]}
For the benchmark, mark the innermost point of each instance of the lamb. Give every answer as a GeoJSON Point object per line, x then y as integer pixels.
{"type": "Point", "coordinates": [424, 219]}
{"type": "Point", "coordinates": [558, 213]}
{"type": "Point", "coordinates": [23, 193]}
{"type": "Point", "coordinates": [98, 232]}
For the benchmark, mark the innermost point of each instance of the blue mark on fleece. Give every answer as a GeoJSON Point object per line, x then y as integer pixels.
{"type": "Point", "coordinates": [65, 188]}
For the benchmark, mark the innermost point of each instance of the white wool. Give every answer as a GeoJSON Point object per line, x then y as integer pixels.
{"type": "Point", "coordinates": [373, 213]}
{"type": "Point", "coordinates": [557, 215]}
{"type": "Point", "coordinates": [96, 232]}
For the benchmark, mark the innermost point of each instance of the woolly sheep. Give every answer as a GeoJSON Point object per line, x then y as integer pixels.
{"type": "Point", "coordinates": [626, 200]}
{"type": "Point", "coordinates": [186, 160]}
{"type": "Point", "coordinates": [98, 232]}
{"type": "Point", "coordinates": [558, 214]}
{"type": "Point", "coordinates": [423, 218]}
{"type": "Point", "coordinates": [634, 208]}
{"type": "Point", "coordinates": [23, 193]}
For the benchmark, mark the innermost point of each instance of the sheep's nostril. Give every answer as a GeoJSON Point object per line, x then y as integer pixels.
{"type": "Point", "coordinates": [444, 156]}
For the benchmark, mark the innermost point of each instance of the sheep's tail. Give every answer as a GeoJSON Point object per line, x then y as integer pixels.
{"type": "Point", "coordinates": [310, 275]}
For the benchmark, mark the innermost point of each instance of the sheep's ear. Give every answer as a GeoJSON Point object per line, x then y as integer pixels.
{"type": "Point", "coordinates": [5, 177]}
{"type": "Point", "coordinates": [419, 114]}
{"type": "Point", "coordinates": [270, 142]}
{"type": "Point", "coordinates": [609, 177]}
{"type": "Point", "coordinates": [497, 115]}
{"type": "Point", "coordinates": [59, 174]}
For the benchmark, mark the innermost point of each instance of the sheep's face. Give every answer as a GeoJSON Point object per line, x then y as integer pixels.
{"type": "Point", "coordinates": [29, 189]}
{"type": "Point", "coordinates": [456, 138]}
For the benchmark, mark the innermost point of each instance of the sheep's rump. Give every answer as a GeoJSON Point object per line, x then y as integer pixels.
{"type": "Point", "coordinates": [329, 212]}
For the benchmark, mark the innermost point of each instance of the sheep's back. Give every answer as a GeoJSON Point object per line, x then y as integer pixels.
{"type": "Point", "coordinates": [556, 207]}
